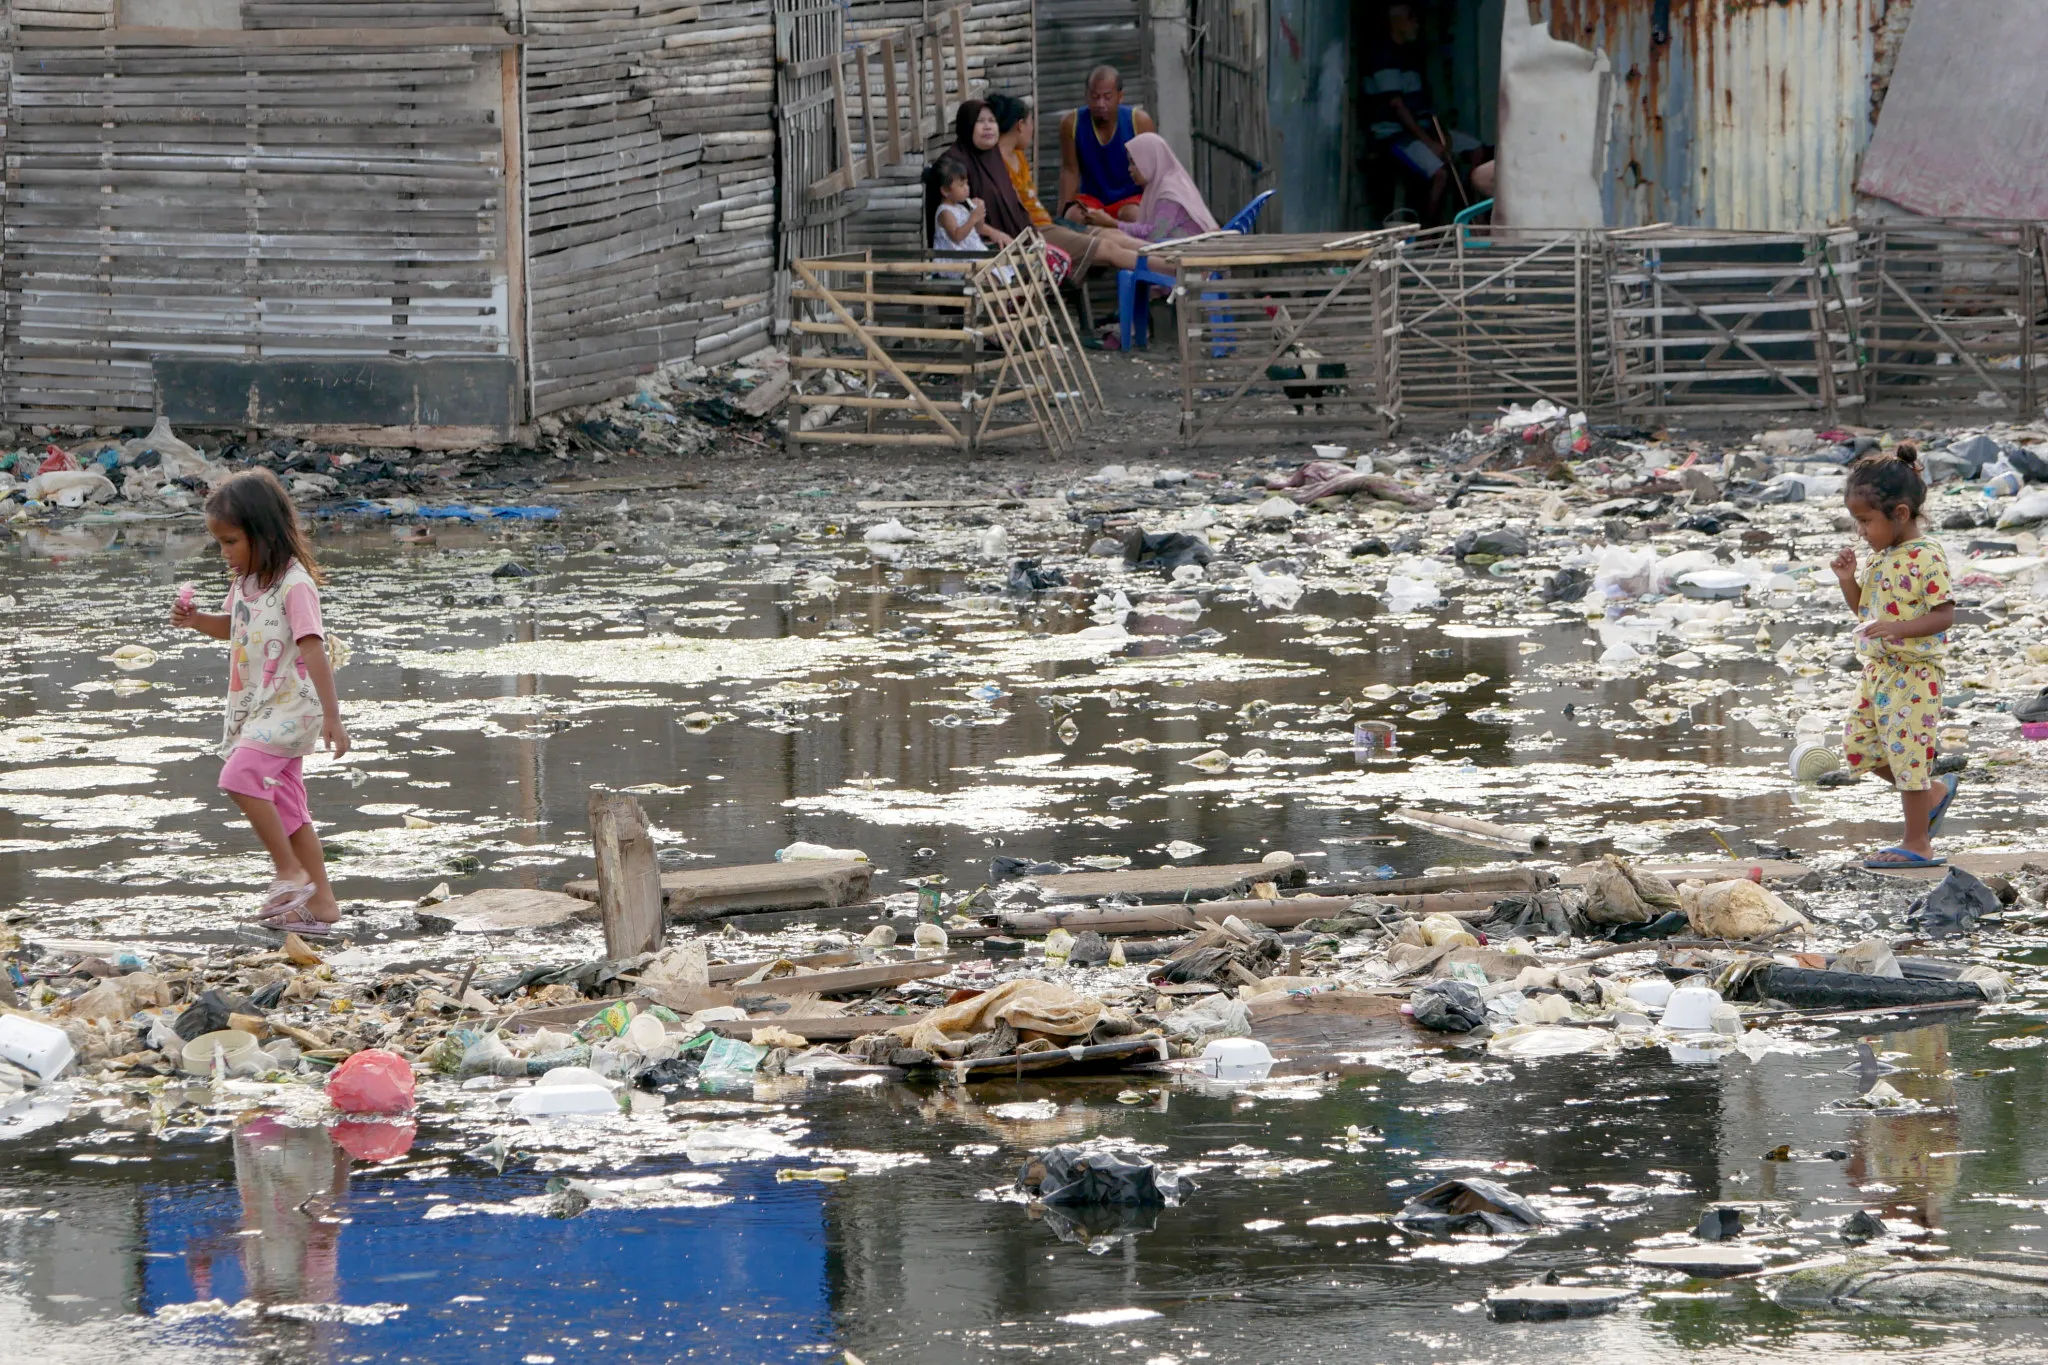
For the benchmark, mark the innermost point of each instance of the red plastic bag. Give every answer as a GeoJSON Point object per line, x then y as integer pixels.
{"type": "Point", "coordinates": [57, 461]}
{"type": "Point", "coordinates": [372, 1081]}
{"type": "Point", "coordinates": [368, 1141]}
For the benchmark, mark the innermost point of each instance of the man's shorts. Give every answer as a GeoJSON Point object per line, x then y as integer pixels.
{"type": "Point", "coordinates": [1113, 210]}
{"type": "Point", "coordinates": [251, 772]}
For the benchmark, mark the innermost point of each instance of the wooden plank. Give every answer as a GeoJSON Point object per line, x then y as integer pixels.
{"type": "Point", "coordinates": [241, 39]}
{"type": "Point", "coordinates": [502, 910]}
{"type": "Point", "coordinates": [847, 981]}
{"type": "Point", "coordinates": [734, 971]}
{"type": "Point", "coordinates": [825, 1028]}
{"type": "Point", "coordinates": [1161, 919]}
{"type": "Point", "coordinates": [1112, 1056]}
{"type": "Point", "coordinates": [628, 877]}
{"type": "Point", "coordinates": [803, 884]}
{"type": "Point", "coordinates": [1170, 883]}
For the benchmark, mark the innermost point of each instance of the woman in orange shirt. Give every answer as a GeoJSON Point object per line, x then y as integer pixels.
{"type": "Point", "coordinates": [1018, 124]}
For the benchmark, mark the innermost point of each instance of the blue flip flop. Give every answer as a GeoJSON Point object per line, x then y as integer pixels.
{"type": "Point", "coordinates": [1955, 784]}
{"type": "Point", "coordinates": [1907, 858]}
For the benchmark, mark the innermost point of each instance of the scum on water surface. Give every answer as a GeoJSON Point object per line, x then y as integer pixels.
{"type": "Point", "coordinates": [907, 706]}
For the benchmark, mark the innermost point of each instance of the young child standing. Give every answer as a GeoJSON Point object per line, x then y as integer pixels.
{"type": "Point", "coordinates": [1903, 601]}
{"type": "Point", "coordinates": [956, 217]}
{"type": "Point", "coordinates": [281, 701]}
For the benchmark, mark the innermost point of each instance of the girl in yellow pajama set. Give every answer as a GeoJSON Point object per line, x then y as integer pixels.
{"type": "Point", "coordinates": [1902, 599]}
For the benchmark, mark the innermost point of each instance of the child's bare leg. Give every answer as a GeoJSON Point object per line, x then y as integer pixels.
{"type": "Point", "coordinates": [263, 818]}
{"type": "Point", "coordinates": [306, 844]}
{"type": "Point", "coordinates": [1919, 807]}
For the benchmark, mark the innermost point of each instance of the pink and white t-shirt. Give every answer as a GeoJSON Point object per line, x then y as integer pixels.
{"type": "Point", "coordinates": [272, 706]}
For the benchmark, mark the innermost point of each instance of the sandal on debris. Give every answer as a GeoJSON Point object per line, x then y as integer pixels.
{"type": "Point", "coordinates": [300, 923]}
{"type": "Point", "coordinates": [282, 899]}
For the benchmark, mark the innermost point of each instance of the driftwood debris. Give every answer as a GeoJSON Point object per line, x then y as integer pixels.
{"type": "Point", "coordinates": [628, 879]}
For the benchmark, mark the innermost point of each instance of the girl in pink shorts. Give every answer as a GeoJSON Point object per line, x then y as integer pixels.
{"type": "Point", "coordinates": [281, 700]}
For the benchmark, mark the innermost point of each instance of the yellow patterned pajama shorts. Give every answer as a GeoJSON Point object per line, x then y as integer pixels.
{"type": "Point", "coordinates": [1898, 710]}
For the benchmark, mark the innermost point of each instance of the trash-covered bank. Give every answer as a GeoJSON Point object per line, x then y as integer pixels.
{"type": "Point", "coordinates": [1209, 756]}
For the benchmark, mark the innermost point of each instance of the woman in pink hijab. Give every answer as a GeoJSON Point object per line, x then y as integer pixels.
{"type": "Point", "coordinates": [1172, 206]}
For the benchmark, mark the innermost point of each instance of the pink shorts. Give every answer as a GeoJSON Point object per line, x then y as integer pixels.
{"type": "Point", "coordinates": [251, 772]}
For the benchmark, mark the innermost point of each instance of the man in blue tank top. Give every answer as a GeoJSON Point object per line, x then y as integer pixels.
{"type": "Point", "coordinates": [1095, 165]}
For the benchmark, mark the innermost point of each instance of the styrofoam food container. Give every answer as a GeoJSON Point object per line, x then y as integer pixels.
{"type": "Point", "coordinates": [43, 1048]}
{"type": "Point", "coordinates": [1713, 583]}
{"type": "Point", "coordinates": [1810, 762]}
{"type": "Point", "coordinates": [1691, 1009]}
{"type": "Point", "coordinates": [569, 1097]}
{"type": "Point", "coordinates": [237, 1047]}
{"type": "Point", "coordinates": [1651, 994]}
{"type": "Point", "coordinates": [1237, 1059]}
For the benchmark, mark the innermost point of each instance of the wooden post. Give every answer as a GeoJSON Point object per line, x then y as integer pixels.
{"type": "Point", "coordinates": [959, 59]}
{"type": "Point", "coordinates": [889, 95]}
{"type": "Point", "coordinates": [1823, 341]}
{"type": "Point", "coordinates": [628, 879]}
{"type": "Point", "coordinates": [867, 113]}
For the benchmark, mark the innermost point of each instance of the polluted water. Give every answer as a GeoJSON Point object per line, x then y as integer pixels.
{"type": "Point", "coordinates": [1110, 915]}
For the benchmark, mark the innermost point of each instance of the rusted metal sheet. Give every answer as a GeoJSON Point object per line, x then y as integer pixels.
{"type": "Point", "coordinates": [1730, 113]}
{"type": "Point", "coordinates": [1965, 131]}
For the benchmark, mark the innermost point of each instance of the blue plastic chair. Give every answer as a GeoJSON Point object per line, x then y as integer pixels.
{"type": "Point", "coordinates": [1134, 323]}
{"type": "Point", "coordinates": [1463, 220]}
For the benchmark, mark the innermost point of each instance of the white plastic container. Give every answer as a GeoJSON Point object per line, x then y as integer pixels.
{"type": "Point", "coordinates": [1691, 1009]}
{"type": "Point", "coordinates": [1336, 453]}
{"type": "Point", "coordinates": [1810, 761]}
{"type": "Point", "coordinates": [1652, 994]}
{"type": "Point", "coordinates": [238, 1049]}
{"type": "Point", "coordinates": [1237, 1059]}
{"type": "Point", "coordinates": [43, 1048]}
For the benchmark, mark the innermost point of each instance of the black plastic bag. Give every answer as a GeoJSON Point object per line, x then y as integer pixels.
{"type": "Point", "coordinates": [1472, 1205]}
{"type": "Point", "coordinates": [1958, 903]}
{"type": "Point", "coordinates": [1070, 1175]}
{"type": "Point", "coordinates": [1448, 1006]}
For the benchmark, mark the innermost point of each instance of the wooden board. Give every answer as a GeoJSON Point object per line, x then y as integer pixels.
{"type": "Point", "coordinates": [1160, 919]}
{"type": "Point", "coordinates": [849, 981]}
{"type": "Point", "coordinates": [1330, 1019]}
{"type": "Point", "coordinates": [1169, 883]}
{"type": "Point", "coordinates": [837, 1028]}
{"type": "Point", "coordinates": [710, 892]}
{"type": "Point", "coordinates": [734, 971]}
{"type": "Point", "coordinates": [503, 910]}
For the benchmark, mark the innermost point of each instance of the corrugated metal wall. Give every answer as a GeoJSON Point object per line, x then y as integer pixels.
{"type": "Point", "coordinates": [1730, 113]}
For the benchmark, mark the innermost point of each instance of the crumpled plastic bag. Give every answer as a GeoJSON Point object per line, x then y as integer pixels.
{"type": "Point", "coordinates": [1871, 957]}
{"type": "Point", "coordinates": [1625, 573]}
{"type": "Point", "coordinates": [1957, 903]}
{"type": "Point", "coordinates": [2025, 510]}
{"type": "Point", "coordinates": [121, 997]}
{"type": "Point", "coordinates": [372, 1081]}
{"type": "Point", "coordinates": [1620, 893]}
{"type": "Point", "coordinates": [1212, 1017]}
{"type": "Point", "coordinates": [1075, 1175]}
{"type": "Point", "coordinates": [1025, 1004]}
{"type": "Point", "coordinates": [1737, 909]}
{"type": "Point", "coordinates": [1469, 1206]}
{"type": "Point", "coordinates": [1448, 1006]}
{"type": "Point", "coordinates": [70, 488]}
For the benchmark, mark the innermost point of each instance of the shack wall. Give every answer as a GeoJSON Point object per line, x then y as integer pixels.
{"type": "Point", "coordinates": [264, 205]}
{"type": "Point", "coordinates": [1726, 113]}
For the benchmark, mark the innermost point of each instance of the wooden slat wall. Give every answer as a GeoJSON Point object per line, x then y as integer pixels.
{"type": "Point", "coordinates": [288, 200]}
{"type": "Point", "coordinates": [353, 14]}
{"type": "Point", "coordinates": [1075, 37]}
{"type": "Point", "coordinates": [1000, 47]}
